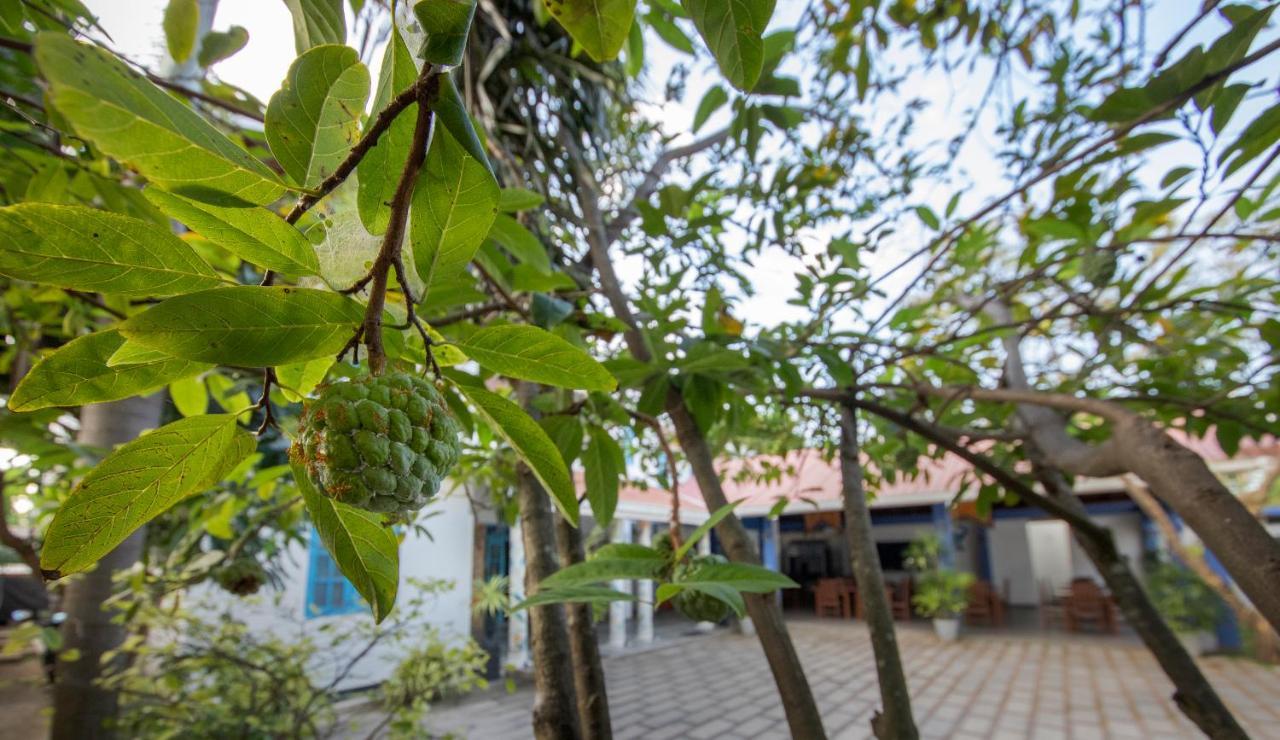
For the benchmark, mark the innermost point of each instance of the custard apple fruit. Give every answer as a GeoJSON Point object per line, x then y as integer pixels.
{"type": "Point", "coordinates": [696, 605]}
{"type": "Point", "coordinates": [381, 443]}
{"type": "Point", "coordinates": [242, 576]}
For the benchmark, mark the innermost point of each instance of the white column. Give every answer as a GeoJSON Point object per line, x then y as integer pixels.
{"type": "Point", "coordinates": [619, 610]}
{"type": "Point", "coordinates": [518, 623]}
{"type": "Point", "coordinates": [644, 608]}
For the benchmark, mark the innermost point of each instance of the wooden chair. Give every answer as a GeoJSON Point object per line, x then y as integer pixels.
{"type": "Point", "coordinates": [985, 605]}
{"type": "Point", "coordinates": [1088, 605]}
{"type": "Point", "coordinates": [899, 595]}
{"type": "Point", "coordinates": [831, 598]}
{"type": "Point", "coordinates": [1052, 608]}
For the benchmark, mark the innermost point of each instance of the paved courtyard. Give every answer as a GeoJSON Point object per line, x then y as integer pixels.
{"type": "Point", "coordinates": [985, 686]}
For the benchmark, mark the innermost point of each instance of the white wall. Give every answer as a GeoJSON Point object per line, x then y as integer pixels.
{"type": "Point", "coordinates": [447, 554]}
{"type": "Point", "coordinates": [1011, 561]}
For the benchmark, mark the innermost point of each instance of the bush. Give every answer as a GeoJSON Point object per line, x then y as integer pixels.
{"type": "Point", "coordinates": [1185, 601]}
{"type": "Point", "coordinates": [940, 592]}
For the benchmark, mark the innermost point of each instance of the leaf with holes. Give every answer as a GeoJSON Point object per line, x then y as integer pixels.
{"type": "Point", "coordinates": [314, 119]}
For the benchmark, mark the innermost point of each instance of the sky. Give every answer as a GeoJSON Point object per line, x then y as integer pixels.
{"type": "Point", "coordinates": [135, 27]}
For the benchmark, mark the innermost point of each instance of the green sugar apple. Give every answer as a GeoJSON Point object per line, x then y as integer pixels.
{"type": "Point", "coordinates": [696, 605]}
{"type": "Point", "coordinates": [242, 576]}
{"type": "Point", "coordinates": [381, 443]}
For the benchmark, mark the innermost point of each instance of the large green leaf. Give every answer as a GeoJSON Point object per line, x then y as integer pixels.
{"type": "Point", "coordinates": [248, 326]}
{"type": "Point", "coordinates": [97, 251]}
{"type": "Point", "coordinates": [137, 483]}
{"type": "Point", "coordinates": [379, 171]}
{"type": "Point", "coordinates": [744, 577]}
{"type": "Point", "coordinates": [132, 120]}
{"type": "Point", "coordinates": [530, 443]}
{"type": "Point", "coordinates": [446, 24]}
{"type": "Point", "coordinates": [602, 466]}
{"type": "Point", "coordinates": [250, 232]}
{"type": "Point", "coordinates": [529, 353]}
{"type": "Point", "coordinates": [520, 242]}
{"type": "Point", "coordinates": [364, 548]}
{"type": "Point", "coordinates": [454, 204]}
{"type": "Point", "coordinates": [451, 112]}
{"type": "Point", "coordinates": [313, 119]}
{"type": "Point", "coordinates": [734, 31]}
{"type": "Point", "coordinates": [565, 431]}
{"type": "Point", "coordinates": [317, 22]}
{"type": "Point", "coordinates": [599, 570]}
{"type": "Point", "coordinates": [716, 590]}
{"type": "Point", "coordinates": [573, 595]}
{"type": "Point", "coordinates": [77, 373]}
{"type": "Point", "coordinates": [599, 26]}
{"type": "Point", "coordinates": [181, 23]}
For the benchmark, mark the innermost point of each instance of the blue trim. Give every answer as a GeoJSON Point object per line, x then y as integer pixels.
{"type": "Point", "coordinates": [791, 523]}
{"type": "Point", "coordinates": [941, 518]}
{"type": "Point", "coordinates": [1271, 512]}
{"type": "Point", "coordinates": [984, 554]}
{"type": "Point", "coordinates": [881, 517]}
{"type": "Point", "coordinates": [329, 593]}
{"type": "Point", "coordinates": [1094, 509]}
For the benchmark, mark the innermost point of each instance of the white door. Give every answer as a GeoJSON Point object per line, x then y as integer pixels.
{"type": "Point", "coordinates": [1049, 543]}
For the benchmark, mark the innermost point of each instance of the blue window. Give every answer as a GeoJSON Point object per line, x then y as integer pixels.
{"type": "Point", "coordinates": [328, 592]}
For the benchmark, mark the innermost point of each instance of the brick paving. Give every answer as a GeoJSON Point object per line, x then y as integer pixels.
{"type": "Point", "coordinates": [985, 686]}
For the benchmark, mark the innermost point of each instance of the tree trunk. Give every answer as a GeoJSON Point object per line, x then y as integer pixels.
{"type": "Point", "coordinates": [588, 674]}
{"type": "Point", "coordinates": [1192, 692]}
{"type": "Point", "coordinates": [797, 698]}
{"type": "Point", "coordinates": [554, 705]}
{"type": "Point", "coordinates": [80, 707]}
{"type": "Point", "coordinates": [895, 722]}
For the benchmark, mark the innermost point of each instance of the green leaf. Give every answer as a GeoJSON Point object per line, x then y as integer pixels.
{"type": "Point", "coordinates": [451, 111]}
{"type": "Point", "coordinates": [717, 591]}
{"type": "Point", "coordinates": [314, 119]}
{"type": "Point", "coordinates": [511, 200]}
{"type": "Point", "coordinates": [249, 232]}
{"type": "Point", "coordinates": [600, 27]}
{"type": "Point", "coordinates": [627, 551]}
{"type": "Point", "coordinates": [529, 353]}
{"type": "Point", "coordinates": [181, 23]}
{"type": "Point", "coordinates": [744, 577]}
{"type": "Point", "coordinates": [137, 483]}
{"type": "Point", "coordinates": [567, 434]}
{"type": "Point", "coordinates": [78, 373]}
{"type": "Point", "coordinates": [446, 24]}
{"type": "Point", "coordinates": [520, 242]}
{"type": "Point", "coordinates": [669, 32]}
{"type": "Point", "coordinates": [1261, 133]}
{"type": "Point", "coordinates": [573, 595]}
{"type": "Point", "coordinates": [379, 171]}
{"type": "Point", "coordinates": [137, 123]}
{"type": "Point", "coordinates": [132, 353]}
{"type": "Point", "coordinates": [734, 31]}
{"type": "Point", "coordinates": [703, 529]}
{"type": "Point", "coordinates": [598, 570]}
{"type": "Point", "coordinates": [189, 396]}
{"type": "Point", "coordinates": [530, 443]}
{"type": "Point", "coordinates": [97, 251]}
{"type": "Point", "coordinates": [602, 466]}
{"type": "Point", "coordinates": [365, 550]}
{"type": "Point", "coordinates": [454, 204]}
{"type": "Point", "coordinates": [248, 326]}
{"type": "Point", "coordinates": [300, 378]}
{"type": "Point", "coordinates": [317, 22]}
{"type": "Point", "coordinates": [219, 45]}
{"type": "Point", "coordinates": [712, 101]}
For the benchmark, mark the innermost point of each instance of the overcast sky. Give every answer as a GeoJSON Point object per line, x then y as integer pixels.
{"type": "Point", "coordinates": [135, 27]}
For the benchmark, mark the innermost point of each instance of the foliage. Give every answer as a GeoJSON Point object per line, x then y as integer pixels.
{"type": "Point", "coordinates": [939, 591]}
{"type": "Point", "coordinates": [1186, 602]}
{"type": "Point", "coordinates": [198, 668]}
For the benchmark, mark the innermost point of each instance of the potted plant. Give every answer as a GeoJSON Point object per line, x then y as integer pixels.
{"type": "Point", "coordinates": [941, 593]}
{"type": "Point", "coordinates": [1189, 606]}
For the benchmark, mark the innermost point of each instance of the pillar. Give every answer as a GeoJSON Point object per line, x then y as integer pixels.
{"type": "Point", "coordinates": [518, 623]}
{"type": "Point", "coordinates": [620, 610]}
{"type": "Point", "coordinates": [644, 607]}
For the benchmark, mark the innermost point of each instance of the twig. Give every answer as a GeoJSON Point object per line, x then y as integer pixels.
{"type": "Point", "coordinates": [506, 296]}
{"type": "Point", "coordinates": [94, 301]}
{"type": "Point", "coordinates": [264, 401]}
